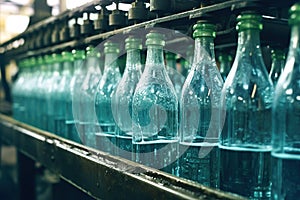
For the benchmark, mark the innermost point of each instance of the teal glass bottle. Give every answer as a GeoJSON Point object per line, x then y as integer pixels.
{"type": "Point", "coordinates": [52, 88]}
{"type": "Point", "coordinates": [277, 66]}
{"type": "Point", "coordinates": [286, 120]}
{"type": "Point", "coordinates": [17, 91]}
{"type": "Point", "coordinates": [91, 75]}
{"type": "Point", "coordinates": [78, 63]}
{"type": "Point", "coordinates": [38, 89]}
{"type": "Point", "coordinates": [176, 78]}
{"type": "Point", "coordinates": [225, 61]}
{"type": "Point", "coordinates": [155, 112]}
{"type": "Point", "coordinates": [61, 95]}
{"type": "Point", "coordinates": [200, 111]}
{"type": "Point", "coordinates": [123, 96]}
{"type": "Point", "coordinates": [245, 142]}
{"type": "Point", "coordinates": [105, 130]}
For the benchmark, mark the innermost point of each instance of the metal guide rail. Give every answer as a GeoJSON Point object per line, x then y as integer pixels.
{"type": "Point", "coordinates": [98, 174]}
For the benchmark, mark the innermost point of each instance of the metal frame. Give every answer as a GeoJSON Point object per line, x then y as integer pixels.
{"type": "Point", "coordinates": [99, 174]}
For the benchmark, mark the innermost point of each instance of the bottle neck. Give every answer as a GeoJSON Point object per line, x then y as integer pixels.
{"type": "Point", "coordinates": [67, 67]}
{"type": "Point", "coordinates": [110, 61]}
{"type": "Point", "coordinates": [93, 63]}
{"type": "Point", "coordinates": [249, 40]}
{"type": "Point", "coordinates": [204, 49]}
{"type": "Point", "coordinates": [154, 55]}
{"type": "Point", "coordinates": [78, 66]}
{"type": "Point", "coordinates": [225, 66]}
{"type": "Point", "coordinates": [133, 58]}
{"type": "Point", "coordinates": [294, 49]}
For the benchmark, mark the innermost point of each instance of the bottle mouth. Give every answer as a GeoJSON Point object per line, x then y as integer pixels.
{"type": "Point", "coordinates": [294, 13]}
{"type": "Point", "coordinates": [248, 21]}
{"type": "Point", "coordinates": [204, 30]}
{"type": "Point", "coordinates": [110, 47]}
{"type": "Point", "coordinates": [133, 43]}
{"type": "Point", "coordinates": [277, 54]}
{"type": "Point", "coordinates": [154, 38]}
{"type": "Point", "coordinates": [92, 52]}
{"type": "Point", "coordinates": [67, 56]}
{"type": "Point", "coordinates": [78, 54]}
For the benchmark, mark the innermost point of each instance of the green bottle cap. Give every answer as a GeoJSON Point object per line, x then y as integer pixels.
{"type": "Point", "coordinates": [67, 56]}
{"type": "Point", "coordinates": [133, 43]}
{"type": "Point", "coordinates": [110, 47]}
{"type": "Point", "coordinates": [32, 62]}
{"type": "Point", "coordinates": [170, 55]}
{"type": "Point", "coordinates": [204, 29]}
{"type": "Point", "coordinates": [277, 54]}
{"type": "Point", "coordinates": [78, 54]}
{"type": "Point", "coordinates": [225, 57]}
{"type": "Point", "coordinates": [294, 14]}
{"type": "Point", "coordinates": [48, 59]}
{"type": "Point", "coordinates": [248, 21]}
{"type": "Point", "coordinates": [92, 52]}
{"type": "Point", "coordinates": [40, 60]}
{"type": "Point", "coordinates": [56, 58]}
{"type": "Point", "coordinates": [154, 38]}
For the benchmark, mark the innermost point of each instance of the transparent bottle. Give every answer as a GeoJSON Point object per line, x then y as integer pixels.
{"type": "Point", "coordinates": [286, 120]}
{"type": "Point", "coordinates": [78, 63]}
{"type": "Point", "coordinates": [277, 66]}
{"type": "Point", "coordinates": [105, 132]}
{"type": "Point", "coordinates": [245, 142]}
{"type": "Point", "coordinates": [225, 61]}
{"type": "Point", "coordinates": [155, 112]}
{"type": "Point", "coordinates": [200, 111]}
{"type": "Point", "coordinates": [123, 96]}
{"type": "Point", "coordinates": [31, 106]}
{"type": "Point", "coordinates": [17, 91]}
{"type": "Point", "coordinates": [38, 89]}
{"type": "Point", "coordinates": [56, 69]}
{"type": "Point", "coordinates": [61, 95]}
{"type": "Point", "coordinates": [176, 78]}
{"type": "Point", "coordinates": [91, 75]}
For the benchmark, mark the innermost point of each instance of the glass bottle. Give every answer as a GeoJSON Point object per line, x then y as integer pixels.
{"type": "Point", "coordinates": [38, 89]}
{"type": "Point", "coordinates": [286, 120]}
{"type": "Point", "coordinates": [155, 112]}
{"type": "Point", "coordinates": [225, 61]}
{"type": "Point", "coordinates": [247, 95]}
{"type": "Point", "coordinates": [17, 91]}
{"type": "Point", "coordinates": [123, 95]}
{"type": "Point", "coordinates": [176, 78]}
{"type": "Point", "coordinates": [278, 62]}
{"type": "Point", "coordinates": [91, 75]}
{"type": "Point", "coordinates": [200, 110]}
{"type": "Point", "coordinates": [61, 95]}
{"type": "Point", "coordinates": [52, 88]}
{"type": "Point", "coordinates": [78, 63]}
{"type": "Point", "coordinates": [105, 131]}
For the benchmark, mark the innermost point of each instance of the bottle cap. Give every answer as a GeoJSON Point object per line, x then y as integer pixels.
{"type": "Point", "coordinates": [248, 21]}
{"type": "Point", "coordinates": [78, 54]}
{"type": "Point", "coordinates": [67, 56]}
{"type": "Point", "coordinates": [32, 62]}
{"type": "Point", "coordinates": [154, 38]}
{"type": "Point", "coordinates": [133, 43]}
{"type": "Point", "coordinates": [277, 54]}
{"type": "Point", "coordinates": [110, 47]}
{"type": "Point", "coordinates": [48, 59]}
{"type": "Point", "coordinates": [92, 52]}
{"type": "Point", "coordinates": [225, 57]}
{"type": "Point", "coordinates": [40, 60]}
{"type": "Point", "coordinates": [294, 14]}
{"type": "Point", "coordinates": [56, 58]}
{"type": "Point", "coordinates": [204, 29]}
